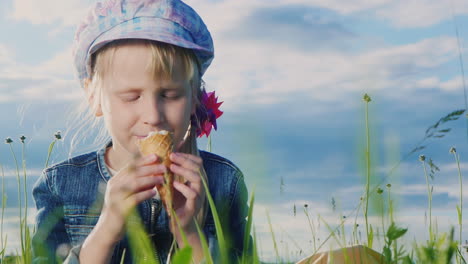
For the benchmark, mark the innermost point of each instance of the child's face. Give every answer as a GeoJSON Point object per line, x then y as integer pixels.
{"type": "Point", "coordinates": [135, 102]}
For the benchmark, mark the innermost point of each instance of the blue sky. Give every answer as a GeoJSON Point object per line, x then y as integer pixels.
{"type": "Point", "coordinates": [292, 74]}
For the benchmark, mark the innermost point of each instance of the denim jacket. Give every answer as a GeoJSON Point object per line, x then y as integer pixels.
{"type": "Point", "coordinates": [69, 198]}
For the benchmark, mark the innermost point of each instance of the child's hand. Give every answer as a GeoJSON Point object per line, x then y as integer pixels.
{"type": "Point", "coordinates": [128, 188]}
{"type": "Point", "coordinates": [188, 197]}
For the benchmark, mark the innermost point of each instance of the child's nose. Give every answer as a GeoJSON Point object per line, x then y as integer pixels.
{"type": "Point", "coordinates": [152, 112]}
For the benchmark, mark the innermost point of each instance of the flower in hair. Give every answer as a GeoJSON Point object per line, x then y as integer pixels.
{"type": "Point", "coordinates": [207, 113]}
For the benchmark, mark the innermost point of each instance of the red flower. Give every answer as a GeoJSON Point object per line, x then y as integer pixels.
{"type": "Point", "coordinates": [208, 113]}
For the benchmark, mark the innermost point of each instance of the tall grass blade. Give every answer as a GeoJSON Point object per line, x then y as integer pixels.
{"type": "Point", "coordinates": [208, 144]}
{"type": "Point", "coordinates": [49, 152]}
{"type": "Point", "coordinates": [273, 238]}
{"type": "Point", "coordinates": [459, 207]}
{"type": "Point", "coordinates": [367, 99]}
{"type": "Point", "coordinates": [123, 256]}
{"type": "Point", "coordinates": [312, 228]}
{"type": "Point", "coordinates": [206, 250]}
{"type": "Point", "coordinates": [219, 231]}
{"type": "Point", "coordinates": [248, 228]}
{"type": "Point", "coordinates": [256, 258]}
{"type": "Point", "coordinates": [142, 248]}
{"type": "Point", "coordinates": [4, 199]}
{"type": "Point", "coordinates": [18, 179]}
{"type": "Point", "coordinates": [462, 68]}
{"type": "Point", "coordinates": [183, 256]}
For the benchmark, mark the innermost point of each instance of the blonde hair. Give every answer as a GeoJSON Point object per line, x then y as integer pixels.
{"type": "Point", "coordinates": [164, 57]}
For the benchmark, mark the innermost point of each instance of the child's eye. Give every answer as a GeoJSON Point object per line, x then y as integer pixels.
{"type": "Point", "coordinates": [171, 95]}
{"type": "Point", "coordinates": [130, 98]}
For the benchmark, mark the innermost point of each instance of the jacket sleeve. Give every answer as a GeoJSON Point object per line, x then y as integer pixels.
{"type": "Point", "coordinates": [50, 242]}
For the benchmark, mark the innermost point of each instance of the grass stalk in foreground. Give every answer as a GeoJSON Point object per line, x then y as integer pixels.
{"type": "Point", "coordinates": [459, 206]}
{"type": "Point", "coordinates": [9, 141]}
{"type": "Point", "coordinates": [23, 163]}
{"type": "Point", "coordinates": [312, 227]}
{"type": "Point", "coordinates": [4, 198]}
{"type": "Point", "coordinates": [248, 228]}
{"type": "Point", "coordinates": [341, 244]}
{"type": "Point", "coordinates": [26, 238]}
{"type": "Point", "coordinates": [367, 99]}
{"type": "Point", "coordinates": [57, 137]}
{"type": "Point", "coordinates": [218, 227]}
{"type": "Point", "coordinates": [273, 237]}
{"type": "Point", "coordinates": [382, 207]}
{"type": "Point", "coordinates": [142, 249]}
{"type": "Point", "coordinates": [422, 158]}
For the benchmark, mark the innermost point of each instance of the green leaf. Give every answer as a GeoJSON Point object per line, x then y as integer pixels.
{"type": "Point", "coordinates": [248, 228]}
{"type": "Point", "coordinates": [273, 238]}
{"type": "Point", "coordinates": [387, 254]}
{"type": "Point", "coordinates": [142, 248]}
{"type": "Point", "coordinates": [407, 260]}
{"type": "Point", "coordinates": [444, 130]}
{"type": "Point", "coordinates": [122, 259]}
{"type": "Point", "coordinates": [417, 149]}
{"type": "Point", "coordinates": [370, 239]}
{"type": "Point", "coordinates": [219, 231]}
{"type": "Point", "coordinates": [394, 232]}
{"type": "Point", "coordinates": [51, 147]}
{"type": "Point", "coordinates": [256, 259]}
{"type": "Point", "coordinates": [183, 256]}
{"type": "Point", "coordinates": [459, 215]}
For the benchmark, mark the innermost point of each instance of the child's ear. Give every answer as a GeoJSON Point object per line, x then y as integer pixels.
{"type": "Point", "coordinates": [90, 96]}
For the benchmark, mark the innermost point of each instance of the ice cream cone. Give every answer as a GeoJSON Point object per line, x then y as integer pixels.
{"type": "Point", "coordinates": [161, 144]}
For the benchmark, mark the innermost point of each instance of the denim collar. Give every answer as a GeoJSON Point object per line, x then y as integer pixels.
{"type": "Point", "coordinates": [101, 161]}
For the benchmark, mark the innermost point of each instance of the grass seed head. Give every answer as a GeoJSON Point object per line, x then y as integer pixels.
{"type": "Point", "coordinates": [22, 138]}
{"type": "Point", "coordinates": [422, 158]}
{"type": "Point", "coordinates": [453, 150]}
{"type": "Point", "coordinates": [58, 135]}
{"type": "Point", "coordinates": [8, 140]}
{"type": "Point", "coordinates": [366, 98]}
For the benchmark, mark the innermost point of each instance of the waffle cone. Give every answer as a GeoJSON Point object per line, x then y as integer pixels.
{"type": "Point", "coordinates": [161, 145]}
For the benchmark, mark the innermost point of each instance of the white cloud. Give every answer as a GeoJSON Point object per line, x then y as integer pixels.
{"type": "Point", "coordinates": [61, 64]}
{"type": "Point", "coordinates": [6, 55]}
{"type": "Point", "coordinates": [247, 72]}
{"type": "Point", "coordinates": [34, 89]}
{"type": "Point", "coordinates": [399, 13]}
{"type": "Point", "coordinates": [29, 172]}
{"type": "Point", "coordinates": [451, 190]}
{"type": "Point", "coordinates": [421, 13]}
{"type": "Point", "coordinates": [453, 84]}
{"type": "Point", "coordinates": [67, 13]}
{"type": "Point", "coordinates": [453, 167]}
{"type": "Point", "coordinates": [47, 81]}
{"type": "Point", "coordinates": [52, 90]}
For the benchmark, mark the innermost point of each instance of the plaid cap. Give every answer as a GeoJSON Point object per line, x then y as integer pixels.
{"type": "Point", "coordinates": [169, 21]}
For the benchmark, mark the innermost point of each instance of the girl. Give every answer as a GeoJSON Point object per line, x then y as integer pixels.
{"type": "Point", "coordinates": [140, 63]}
